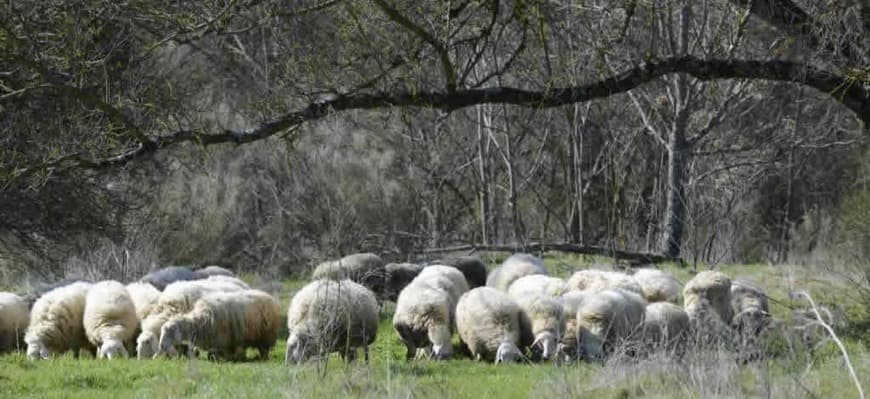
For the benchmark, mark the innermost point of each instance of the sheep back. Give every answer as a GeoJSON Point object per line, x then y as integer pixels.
{"type": "Point", "coordinates": [608, 318]}
{"type": "Point", "coordinates": [214, 270]}
{"type": "Point", "coordinates": [160, 278]}
{"type": "Point", "coordinates": [597, 280]}
{"type": "Point", "coordinates": [14, 318]}
{"type": "Point", "coordinates": [109, 314]}
{"type": "Point", "coordinates": [657, 285]}
{"type": "Point", "coordinates": [364, 268]}
{"type": "Point", "coordinates": [537, 284]}
{"type": "Point", "coordinates": [486, 318]}
{"type": "Point", "coordinates": [471, 267]}
{"type": "Point", "coordinates": [145, 298]}
{"type": "Point", "coordinates": [514, 267]}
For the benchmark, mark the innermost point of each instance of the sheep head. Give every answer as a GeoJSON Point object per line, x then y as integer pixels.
{"type": "Point", "coordinates": [297, 349]}
{"type": "Point", "coordinates": [442, 347]}
{"type": "Point", "coordinates": [36, 350]}
{"type": "Point", "coordinates": [112, 349]}
{"type": "Point", "coordinates": [546, 343]}
{"type": "Point", "coordinates": [507, 352]}
{"type": "Point", "coordinates": [146, 345]}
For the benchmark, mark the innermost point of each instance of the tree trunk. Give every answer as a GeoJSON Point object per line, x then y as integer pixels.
{"type": "Point", "coordinates": [675, 210]}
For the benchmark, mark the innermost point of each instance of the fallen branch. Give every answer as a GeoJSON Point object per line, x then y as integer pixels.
{"type": "Point", "coordinates": [632, 257]}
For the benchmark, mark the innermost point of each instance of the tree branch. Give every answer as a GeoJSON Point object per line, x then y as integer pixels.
{"type": "Point", "coordinates": [848, 91]}
{"type": "Point", "coordinates": [443, 55]}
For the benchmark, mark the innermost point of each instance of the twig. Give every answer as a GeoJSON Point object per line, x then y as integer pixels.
{"type": "Point", "coordinates": [836, 339]}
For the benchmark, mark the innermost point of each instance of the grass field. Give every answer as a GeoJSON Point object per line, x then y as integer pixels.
{"type": "Point", "coordinates": [792, 370]}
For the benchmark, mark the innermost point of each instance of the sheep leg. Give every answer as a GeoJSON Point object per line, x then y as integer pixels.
{"type": "Point", "coordinates": [350, 355]}
{"type": "Point", "coordinates": [264, 352]}
{"type": "Point", "coordinates": [366, 353]}
{"type": "Point", "coordinates": [412, 352]}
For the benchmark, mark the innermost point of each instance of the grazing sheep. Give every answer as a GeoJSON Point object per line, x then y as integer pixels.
{"type": "Point", "coordinates": [399, 275]}
{"type": "Point", "coordinates": [225, 324]}
{"type": "Point", "coordinates": [707, 301]}
{"type": "Point", "coordinates": [571, 302]}
{"type": "Point", "coordinates": [598, 280]}
{"type": "Point", "coordinates": [492, 325]}
{"type": "Point", "coordinates": [425, 311]}
{"type": "Point", "coordinates": [160, 278]}
{"type": "Point", "coordinates": [331, 316]}
{"type": "Point", "coordinates": [666, 326]}
{"type": "Point", "coordinates": [56, 322]}
{"type": "Point", "coordinates": [657, 285]}
{"type": "Point", "coordinates": [214, 270]}
{"type": "Point", "coordinates": [751, 318]}
{"type": "Point", "coordinates": [547, 323]}
{"type": "Point", "coordinates": [471, 266]}
{"type": "Point", "coordinates": [14, 318]}
{"type": "Point", "coordinates": [608, 319]}
{"type": "Point", "coordinates": [538, 284]}
{"type": "Point", "coordinates": [178, 298]}
{"type": "Point", "coordinates": [364, 268]}
{"type": "Point", "coordinates": [109, 319]}
{"type": "Point", "coordinates": [514, 267]}
{"type": "Point", "coordinates": [145, 298]}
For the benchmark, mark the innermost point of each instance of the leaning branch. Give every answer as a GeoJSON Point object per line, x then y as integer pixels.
{"type": "Point", "coordinates": [851, 92]}
{"type": "Point", "coordinates": [632, 257]}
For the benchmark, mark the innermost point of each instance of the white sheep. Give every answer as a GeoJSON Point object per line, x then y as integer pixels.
{"type": "Point", "coordinates": [609, 319]}
{"type": "Point", "coordinates": [14, 318]}
{"type": "Point", "coordinates": [514, 267]}
{"type": "Point", "coordinates": [425, 311]}
{"type": "Point", "coordinates": [225, 324]}
{"type": "Point", "coordinates": [145, 297]}
{"type": "Point", "coordinates": [665, 326]}
{"type": "Point", "coordinates": [547, 322]}
{"type": "Point", "coordinates": [657, 285]}
{"type": "Point", "coordinates": [492, 325]}
{"type": "Point", "coordinates": [571, 302]}
{"type": "Point", "coordinates": [538, 284]}
{"type": "Point", "coordinates": [707, 301]}
{"type": "Point", "coordinates": [178, 298]}
{"type": "Point", "coordinates": [109, 319]}
{"type": "Point", "coordinates": [597, 280]}
{"type": "Point", "coordinates": [328, 316]}
{"type": "Point", "coordinates": [56, 322]}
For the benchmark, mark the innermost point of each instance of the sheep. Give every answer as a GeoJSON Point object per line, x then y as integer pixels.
{"type": "Point", "coordinates": [657, 285]}
{"type": "Point", "coordinates": [56, 322]}
{"type": "Point", "coordinates": [751, 318]}
{"type": "Point", "coordinates": [538, 284]}
{"type": "Point", "coordinates": [707, 301]}
{"type": "Point", "coordinates": [178, 298]}
{"type": "Point", "coordinates": [607, 319]}
{"type": "Point", "coordinates": [14, 318]}
{"type": "Point", "coordinates": [109, 319]}
{"type": "Point", "coordinates": [425, 311]}
{"type": "Point", "coordinates": [229, 280]}
{"type": "Point", "coordinates": [492, 325]}
{"type": "Point", "coordinates": [571, 302]}
{"type": "Point", "coordinates": [471, 266]}
{"type": "Point", "coordinates": [547, 322]}
{"type": "Point", "coordinates": [328, 316]}
{"type": "Point", "coordinates": [225, 324]}
{"type": "Point", "coordinates": [665, 325]}
{"type": "Point", "coordinates": [162, 277]}
{"type": "Point", "coordinates": [145, 298]}
{"type": "Point", "coordinates": [364, 268]}
{"type": "Point", "coordinates": [514, 267]}
{"type": "Point", "coordinates": [597, 280]}
{"type": "Point", "coordinates": [399, 275]}
{"type": "Point", "coordinates": [214, 270]}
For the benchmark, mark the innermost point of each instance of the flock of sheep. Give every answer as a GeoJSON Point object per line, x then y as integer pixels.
{"type": "Point", "coordinates": [515, 312]}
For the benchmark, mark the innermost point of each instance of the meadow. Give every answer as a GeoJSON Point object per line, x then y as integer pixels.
{"type": "Point", "coordinates": [796, 366]}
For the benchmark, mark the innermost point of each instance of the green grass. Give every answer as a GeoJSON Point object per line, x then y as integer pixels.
{"type": "Point", "coordinates": [792, 373]}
